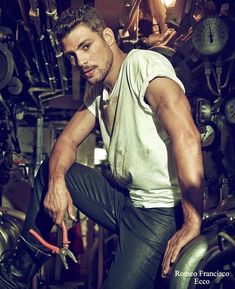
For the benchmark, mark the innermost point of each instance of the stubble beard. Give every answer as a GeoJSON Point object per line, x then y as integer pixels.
{"type": "Point", "coordinates": [102, 73]}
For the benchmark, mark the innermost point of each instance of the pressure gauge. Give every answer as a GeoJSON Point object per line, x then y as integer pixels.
{"type": "Point", "coordinates": [207, 136]}
{"type": "Point", "coordinates": [211, 35]}
{"type": "Point", "coordinates": [229, 110]}
{"type": "Point", "coordinates": [210, 136]}
{"type": "Point", "coordinates": [15, 85]}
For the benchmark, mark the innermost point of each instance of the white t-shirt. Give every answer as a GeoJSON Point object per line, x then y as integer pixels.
{"type": "Point", "coordinates": [139, 150]}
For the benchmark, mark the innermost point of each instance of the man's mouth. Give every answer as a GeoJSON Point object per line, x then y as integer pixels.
{"type": "Point", "coordinates": [89, 72]}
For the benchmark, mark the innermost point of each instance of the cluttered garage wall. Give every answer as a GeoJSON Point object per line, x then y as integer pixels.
{"type": "Point", "coordinates": [40, 91]}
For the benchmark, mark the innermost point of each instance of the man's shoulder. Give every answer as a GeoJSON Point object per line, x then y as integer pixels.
{"type": "Point", "coordinates": [144, 54]}
{"type": "Point", "coordinates": [141, 57]}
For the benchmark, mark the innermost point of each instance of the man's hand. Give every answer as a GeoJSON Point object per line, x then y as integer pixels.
{"type": "Point", "coordinates": [63, 155]}
{"type": "Point", "coordinates": [58, 200]}
{"type": "Point", "coordinates": [181, 238]}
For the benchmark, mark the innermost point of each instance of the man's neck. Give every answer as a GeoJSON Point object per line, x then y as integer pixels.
{"type": "Point", "coordinates": [112, 76]}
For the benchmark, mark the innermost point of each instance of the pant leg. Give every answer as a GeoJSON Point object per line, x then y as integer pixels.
{"type": "Point", "coordinates": [143, 238]}
{"type": "Point", "coordinates": [91, 193]}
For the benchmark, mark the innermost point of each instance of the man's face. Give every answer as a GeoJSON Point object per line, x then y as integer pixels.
{"type": "Point", "coordinates": [89, 52]}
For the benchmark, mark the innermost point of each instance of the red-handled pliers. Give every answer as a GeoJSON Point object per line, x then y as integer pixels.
{"type": "Point", "coordinates": [64, 251]}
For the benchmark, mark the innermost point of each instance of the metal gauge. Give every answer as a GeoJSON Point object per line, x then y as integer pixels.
{"type": "Point", "coordinates": [207, 136]}
{"type": "Point", "coordinates": [203, 112]}
{"type": "Point", "coordinates": [211, 35]}
{"type": "Point", "coordinates": [7, 65]}
{"type": "Point", "coordinates": [15, 85]}
{"type": "Point", "coordinates": [229, 110]}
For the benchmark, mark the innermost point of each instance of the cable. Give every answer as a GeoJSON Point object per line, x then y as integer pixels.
{"type": "Point", "coordinates": [223, 235]}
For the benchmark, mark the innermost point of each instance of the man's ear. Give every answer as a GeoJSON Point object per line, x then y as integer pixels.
{"type": "Point", "coordinates": [108, 36]}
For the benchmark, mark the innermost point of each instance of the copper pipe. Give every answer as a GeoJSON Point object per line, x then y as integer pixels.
{"type": "Point", "coordinates": [131, 17]}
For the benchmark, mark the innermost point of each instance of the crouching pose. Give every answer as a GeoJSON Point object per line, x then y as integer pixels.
{"type": "Point", "coordinates": [154, 154]}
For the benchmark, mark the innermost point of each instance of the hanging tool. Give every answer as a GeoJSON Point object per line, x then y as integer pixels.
{"type": "Point", "coordinates": [64, 251]}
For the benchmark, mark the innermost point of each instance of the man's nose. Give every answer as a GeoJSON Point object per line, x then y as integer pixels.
{"type": "Point", "coordinates": [80, 59]}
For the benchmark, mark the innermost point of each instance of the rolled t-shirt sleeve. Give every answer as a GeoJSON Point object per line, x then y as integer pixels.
{"type": "Point", "coordinates": [89, 99]}
{"type": "Point", "coordinates": [149, 65]}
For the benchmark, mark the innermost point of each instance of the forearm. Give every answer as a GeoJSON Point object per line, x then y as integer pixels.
{"type": "Point", "coordinates": [190, 175]}
{"type": "Point", "coordinates": [62, 157]}
{"type": "Point", "coordinates": [192, 204]}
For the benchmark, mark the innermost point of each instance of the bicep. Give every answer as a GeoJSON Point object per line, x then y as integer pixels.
{"type": "Point", "coordinates": [79, 127]}
{"type": "Point", "coordinates": [172, 108]}
{"type": "Point", "coordinates": [174, 112]}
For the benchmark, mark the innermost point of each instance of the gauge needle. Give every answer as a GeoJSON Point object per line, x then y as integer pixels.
{"type": "Point", "coordinates": [210, 33]}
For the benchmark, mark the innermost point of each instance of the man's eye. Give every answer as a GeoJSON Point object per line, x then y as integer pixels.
{"type": "Point", "coordinates": [86, 46]}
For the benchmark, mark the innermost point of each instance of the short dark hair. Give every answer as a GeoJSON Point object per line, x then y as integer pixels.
{"type": "Point", "coordinates": [74, 16]}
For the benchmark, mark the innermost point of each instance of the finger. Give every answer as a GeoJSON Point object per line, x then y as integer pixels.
{"type": "Point", "coordinates": [168, 251]}
{"type": "Point", "coordinates": [171, 257]}
{"type": "Point", "coordinates": [176, 251]}
{"type": "Point", "coordinates": [166, 261]}
{"type": "Point", "coordinates": [59, 217]}
{"type": "Point", "coordinates": [166, 254]}
{"type": "Point", "coordinates": [167, 265]}
{"type": "Point", "coordinates": [70, 211]}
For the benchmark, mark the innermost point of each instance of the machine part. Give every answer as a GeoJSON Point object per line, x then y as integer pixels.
{"type": "Point", "coordinates": [210, 136]}
{"type": "Point", "coordinates": [223, 236]}
{"type": "Point", "coordinates": [7, 65]}
{"type": "Point", "coordinates": [51, 12]}
{"type": "Point", "coordinates": [34, 14]}
{"type": "Point", "coordinates": [10, 225]}
{"type": "Point", "coordinates": [129, 18]}
{"type": "Point", "coordinates": [208, 70]}
{"type": "Point", "coordinates": [203, 111]}
{"type": "Point", "coordinates": [60, 60]}
{"type": "Point", "coordinates": [27, 27]}
{"type": "Point", "coordinates": [229, 110]}
{"type": "Point", "coordinates": [15, 86]}
{"type": "Point", "coordinates": [39, 146]}
{"type": "Point", "coordinates": [211, 35]}
{"type": "Point", "coordinates": [207, 135]}
{"type": "Point", "coordinates": [203, 256]}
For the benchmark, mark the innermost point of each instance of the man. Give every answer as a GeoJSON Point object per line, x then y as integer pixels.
{"type": "Point", "coordinates": [153, 149]}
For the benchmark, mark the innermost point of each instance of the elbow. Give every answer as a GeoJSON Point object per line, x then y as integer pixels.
{"type": "Point", "coordinates": [194, 185]}
{"type": "Point", "coordinates": [64, 141]}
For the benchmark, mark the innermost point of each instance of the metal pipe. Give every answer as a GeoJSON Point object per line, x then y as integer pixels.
{"type": "Point", "coordinates": [131, 16]}
{"type": "Point", "coordinates": [34, 14]}
{"type": "Point", "coordinates": [31, 39]}
{"type": "Point", "coordinates": [60, 60]}
{"type": "Point", "coordinates": [39, 145]}
{"type": "Point", "coordinates": [52, 16]}
{"type": "Point", "coordinates": [14, 213]}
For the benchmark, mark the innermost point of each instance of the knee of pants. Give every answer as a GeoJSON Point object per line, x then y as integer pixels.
{"type": "Point", "coordinates": [43, 172]}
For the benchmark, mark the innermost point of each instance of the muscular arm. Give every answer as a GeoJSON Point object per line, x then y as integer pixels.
{"type": "Point", "coordinates": [172, 107]}
{"type": "Point", "coordinates": [58, 199]}
{"type": "Point", "coordinates": [65, 148]}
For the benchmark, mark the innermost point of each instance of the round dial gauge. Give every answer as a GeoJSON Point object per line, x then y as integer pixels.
{"type": "Point", "coordinates": [15, 85]}
{"type": "Point", "coordinates": [207, 136]}
{"type": "Point", "coordinates": [229, 110]}
{"type": "Point", "coordinates": [210, 35]}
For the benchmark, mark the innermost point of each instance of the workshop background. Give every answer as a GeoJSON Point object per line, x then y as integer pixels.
{"type": "Point", "coordinates": [40, 91]}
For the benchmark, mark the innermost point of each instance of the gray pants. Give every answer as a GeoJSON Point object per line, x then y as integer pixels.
{"type": "Point", "coordinates": [142, 233]}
